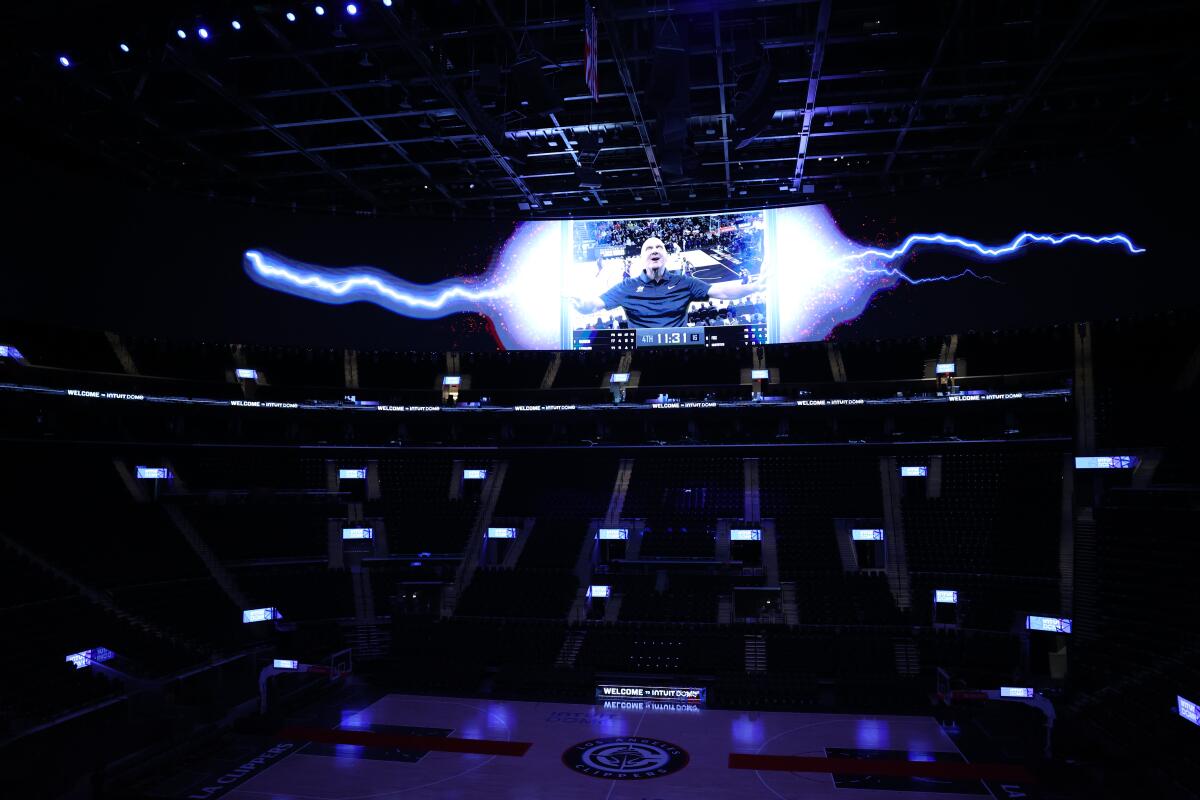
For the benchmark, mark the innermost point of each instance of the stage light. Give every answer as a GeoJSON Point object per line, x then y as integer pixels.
{"type": "Point", "coordinates": [181, 33]}
{"type": "Point", "coordinates": [124, 47]}
{"type": "Point", "coordinates": [290, 17]}
{"type": "Point", "coordinates": [202, 33]}
{"type": "Point", "coordinates": [237, 26]}
{"type": "Point", "coordinates": [351, 9]}
{"type": "Point", "coordinates": [66, 62]}
{"type": "Point", "coordinates": [387, 3]}
{"type": "Point", "coordinates": [320, 11]}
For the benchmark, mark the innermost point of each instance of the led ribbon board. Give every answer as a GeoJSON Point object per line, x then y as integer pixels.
{"type": "Point", "coordinates": [1105, 462]}
{"type": "Point", "coordinates": [677, 694]}
{"type": "Point", "coordinates": [1048, 624]}
{"type": "Point", "coordinates": [153, 473]}
{"type": "Point", "coordinates": [1016, 691]}
{"type": "Point", "coordinates": [745, 535]}
{"type": "Point", "coordinates": [1188, 710]}
{"type": "Point", "coordinates": [85, 658]}
{"type": "Point", "coordinates": [867, 534]}
{"type": "Point", "coordinates": [501, 533]}
{"type": "Point", "coordinates": [260, 615]}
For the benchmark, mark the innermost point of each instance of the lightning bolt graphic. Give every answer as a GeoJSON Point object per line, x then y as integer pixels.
{"type": "Point", "coordinates": [992, 253]}
{"type": "Point", "coordinates": [371, 285]}
{"type": "Point", "coordinates": [824, 277]}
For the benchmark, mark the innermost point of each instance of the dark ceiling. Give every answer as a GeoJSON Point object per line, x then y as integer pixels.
{"type": "Point", "coordinates": [481, 106]}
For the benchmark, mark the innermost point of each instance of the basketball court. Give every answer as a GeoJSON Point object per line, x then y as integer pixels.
{"type": "Point", "coordinates": [406, 746]}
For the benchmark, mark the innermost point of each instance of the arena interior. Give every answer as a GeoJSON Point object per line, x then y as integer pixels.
{"type": "Point", "coordinates": [263, 546]}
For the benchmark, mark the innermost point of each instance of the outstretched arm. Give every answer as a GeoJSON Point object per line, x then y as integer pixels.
{"type": "Point", "coordinates": [587, 305]}
{"type": "Point", "coordinates": [736, 290]}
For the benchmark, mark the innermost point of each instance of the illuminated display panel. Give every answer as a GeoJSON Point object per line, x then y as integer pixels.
{"type": "Point", "coordinates": [914, 472]}
{"type": "Point", "coordinates": [1187, 709]}
{"type": "Point", "coordinates": [867, 534]}
{"type": "Point", "coordinates": [729, 279]}
{"type": "Point", "coordinates": [451, 380]}
{"type": "Point", "coordinates": [85, 658]}
{"type": "Point", "coordinates": [1105, 462]}
{"type": "Point", "coordinates": [247, 374]}
{"type": "Point", "coordinates": [501, 533]}
{"type": "Point", "coordinates": [948, 596]}
{"type": "Point", "coordinates": [474, 474]}
{"type": "Point", "coordinates": [1016, 691]}
{"type": "Point", "coordinates": [745, 535]}
{"type": "Point", "coordinates": [945, 369]}
{"type": "Point", "coordinates": [677, 694]}
{"type": "Point", "coordinates": [619, 377]}
{"type": "Point", "coordinates": [598, 591]}
{"type": "Point", "coordinates": [283, 663]}
{"type": "Point", "coordinates": [260, 614]}
{"type": "Point", "coordinates": [1048, 624]}
{"type": "Point", "coordinates": [760, 374]}
{"type": "Point", "coordinates": [153, 473]}
{"type": "Point", "coordinates": [612, 533]}
{"type": "Point", "coordinates": [358, 533]}
{"type": "Point", "coordinates": [352, 474]}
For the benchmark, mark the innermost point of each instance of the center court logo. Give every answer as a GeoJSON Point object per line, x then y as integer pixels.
{"type": "Point", "coordinates": [625, 758]}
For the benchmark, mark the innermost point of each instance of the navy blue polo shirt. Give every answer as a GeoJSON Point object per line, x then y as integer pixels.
{"type": "Point", "coordinates": [656, 304]}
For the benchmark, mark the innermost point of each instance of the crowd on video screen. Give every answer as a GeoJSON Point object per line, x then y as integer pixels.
{"type": "Point", "coordinates": [739, 235]}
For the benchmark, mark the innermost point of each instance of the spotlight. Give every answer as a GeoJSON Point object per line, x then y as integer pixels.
{"type": "Point", "coordinates": [351, 9]}
{"type": "Point", "coordinates": [387, 3]}
{"type": "Point", "coordinates": [290, 16]}
{"type": "Point", "coordinates": [202, 33]}
{"type": "Point", "coordinates": [64, 61]}
{"type": "Point", "coordinates": [124, 47]}
{"type": "Point", "coordinates": [181, 33]}
{"type": "Point", "coordinates": [320, 11]}
{"type": "Point", "coordinates": [237, 26]}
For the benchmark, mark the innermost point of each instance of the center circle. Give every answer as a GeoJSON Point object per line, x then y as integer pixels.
{"type": "Point", "coordinates": [625, 758]}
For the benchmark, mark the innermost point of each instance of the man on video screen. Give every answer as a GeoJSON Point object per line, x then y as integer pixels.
{"type": "Point", "coordinates": [656, 298]}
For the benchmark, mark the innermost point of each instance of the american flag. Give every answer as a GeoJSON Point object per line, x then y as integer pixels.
{"type": "Point", "coordinates": [591, 41]}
